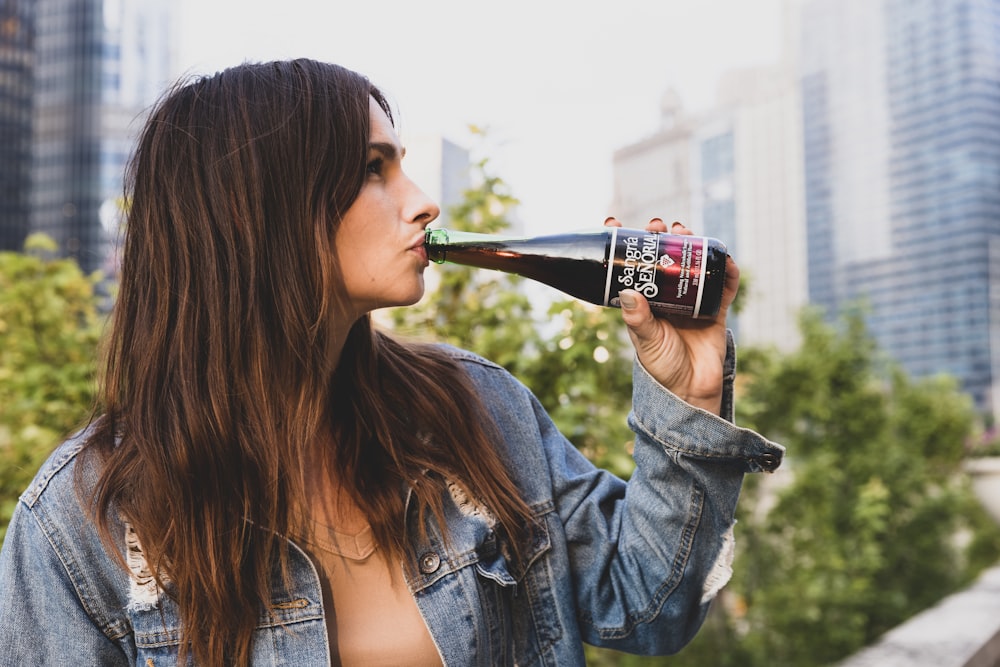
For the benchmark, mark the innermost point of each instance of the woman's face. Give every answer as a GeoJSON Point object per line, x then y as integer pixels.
{"type": "Point", "coordinates": [380, 241]}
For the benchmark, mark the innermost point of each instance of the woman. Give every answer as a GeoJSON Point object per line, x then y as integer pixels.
{"type": "Point", "coordinates": [270, 479]}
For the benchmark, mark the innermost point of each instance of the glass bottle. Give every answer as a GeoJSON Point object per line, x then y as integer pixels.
{"type": "Point", "coordinates": [679, 274]}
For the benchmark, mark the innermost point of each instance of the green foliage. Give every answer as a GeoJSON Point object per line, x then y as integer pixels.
{"type": "Point", "coordinates": [49, 328]}
{"type": "Point", "coordinates": [876, 523]}
{"type": "Point", "coordinates": [985, 444]}
{"type": "Point", "coordinates": [582, 376]}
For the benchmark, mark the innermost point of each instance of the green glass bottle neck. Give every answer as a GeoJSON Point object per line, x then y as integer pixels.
{"type": "Point", "coordinates": [436, 241]}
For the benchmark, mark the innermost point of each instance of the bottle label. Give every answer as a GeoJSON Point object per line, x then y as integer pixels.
{"type": "Point", "coordinates": [668, 269]}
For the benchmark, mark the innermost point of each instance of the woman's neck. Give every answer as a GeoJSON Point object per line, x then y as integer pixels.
{"type": "Point", "coordinates": [331, 504]}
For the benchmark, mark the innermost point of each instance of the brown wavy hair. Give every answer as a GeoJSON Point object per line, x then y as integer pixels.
{"type": "Point", "coordinates": [217, 390]}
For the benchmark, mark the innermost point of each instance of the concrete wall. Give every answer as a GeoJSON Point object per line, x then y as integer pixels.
{"type": "Point", "coordinates": [963, 630]}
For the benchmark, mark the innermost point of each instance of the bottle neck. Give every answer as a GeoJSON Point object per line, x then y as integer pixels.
{"type": "Point", "coordinates": [437, 241]}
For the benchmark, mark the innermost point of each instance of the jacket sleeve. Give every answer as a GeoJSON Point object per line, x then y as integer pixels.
{"type": "Point", "coordinates": [43, 617]}
{"type": "Point", "coordinates": [646, 557]}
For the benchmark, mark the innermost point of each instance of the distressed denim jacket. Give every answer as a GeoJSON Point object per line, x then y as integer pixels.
{"type": "Point", "coordinates": [628, 566]}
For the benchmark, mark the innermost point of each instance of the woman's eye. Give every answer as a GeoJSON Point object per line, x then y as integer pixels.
{"type": "Point", "coordinates": [375, 167]}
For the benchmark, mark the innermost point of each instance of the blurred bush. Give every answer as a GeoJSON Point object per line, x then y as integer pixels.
{"type": "Point", "coordinates": [49, 331]}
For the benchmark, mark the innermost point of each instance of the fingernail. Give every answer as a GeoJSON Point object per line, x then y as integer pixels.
{"type": "Point", "coordinates": [676, 225]}
{"type": "Point", "coordinates": [627, 299]}
{"type": "Point", "coordinates": [656, 220]}
{"type": "Point", "coordinates": [609, 218]}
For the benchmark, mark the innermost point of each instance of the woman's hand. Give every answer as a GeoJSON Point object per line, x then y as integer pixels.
{"type": "Point", "coordinates": [685, 355]}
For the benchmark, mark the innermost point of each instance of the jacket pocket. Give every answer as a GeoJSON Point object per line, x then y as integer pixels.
{"type": "Point", "coordinates": [291, 629]}
{"type": "Point", "coordinates": [518, 595]}
{"type": "Point", "coordinates": [157, 634]}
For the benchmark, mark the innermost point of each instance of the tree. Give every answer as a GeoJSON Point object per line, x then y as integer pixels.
{"type": "Point", "coordinates": [878, 522]}
{"type": "Point", "coordinates": [49, 330]}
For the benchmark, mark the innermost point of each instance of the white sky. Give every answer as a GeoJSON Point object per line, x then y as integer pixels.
{"type": "Point", "coordinates": [559, 84]}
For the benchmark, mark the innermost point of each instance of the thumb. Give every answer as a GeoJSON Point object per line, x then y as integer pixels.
{"type": "Point", "coordinates": [639, 318]}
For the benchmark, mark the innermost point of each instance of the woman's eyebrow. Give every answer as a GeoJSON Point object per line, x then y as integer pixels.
{"type": "Point", "coordinates": [388, 150]}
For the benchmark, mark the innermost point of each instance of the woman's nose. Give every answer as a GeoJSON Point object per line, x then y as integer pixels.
{"type": "Point", "coordinates": [425, 210]}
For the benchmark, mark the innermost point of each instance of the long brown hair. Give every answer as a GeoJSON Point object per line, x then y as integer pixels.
{"type": "Point", "coordinates": [217, 386]}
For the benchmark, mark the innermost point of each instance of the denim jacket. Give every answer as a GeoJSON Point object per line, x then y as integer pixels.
{"type": "Point", "coordinates": [631, 566]}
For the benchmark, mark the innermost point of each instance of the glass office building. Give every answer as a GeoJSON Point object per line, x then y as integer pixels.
{"type": "Point", "coordinates": [716, 168]}
{"type": "Point", "coordinates": [15, 120]}
{"type": "Point", "coordinates": [901, 122]}
{"type": "Point", "coordinates": [90, 67]}
{"type": "Point", "coordinates": [67, 123]}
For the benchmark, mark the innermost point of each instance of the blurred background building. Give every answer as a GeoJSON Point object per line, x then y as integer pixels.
{"type": "Point", "coordinates": [16, 88]}
{"type": "Point", "coordinates": [76, 79]}
{"type": "Point", "coordinates": [862, 169]}
{"type": "Point", "coordinates": [901, 112]}
{"type": "Point", "coordinates": [733, 172]}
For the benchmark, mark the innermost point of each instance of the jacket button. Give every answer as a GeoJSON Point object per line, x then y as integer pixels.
{"type": "Point", "coordinates": [768, 461]}
{"type": "Point", "coordinates": [429, 563]}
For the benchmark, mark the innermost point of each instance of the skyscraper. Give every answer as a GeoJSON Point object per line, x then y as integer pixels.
{"type": "Point", "coordinates": [750, 193]}
{"type": "Point", "coordinates": [15, 120]}
{"type": "Point", "coordinates": [87, 70]}
{"type": "Point", "coordinates": [66, 141]}
{"type": "Point", "coordinates": [901, 112]}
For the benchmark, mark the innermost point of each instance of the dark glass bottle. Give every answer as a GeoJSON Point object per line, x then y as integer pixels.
{"type": "Point", "coordinates": [679, 274]}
